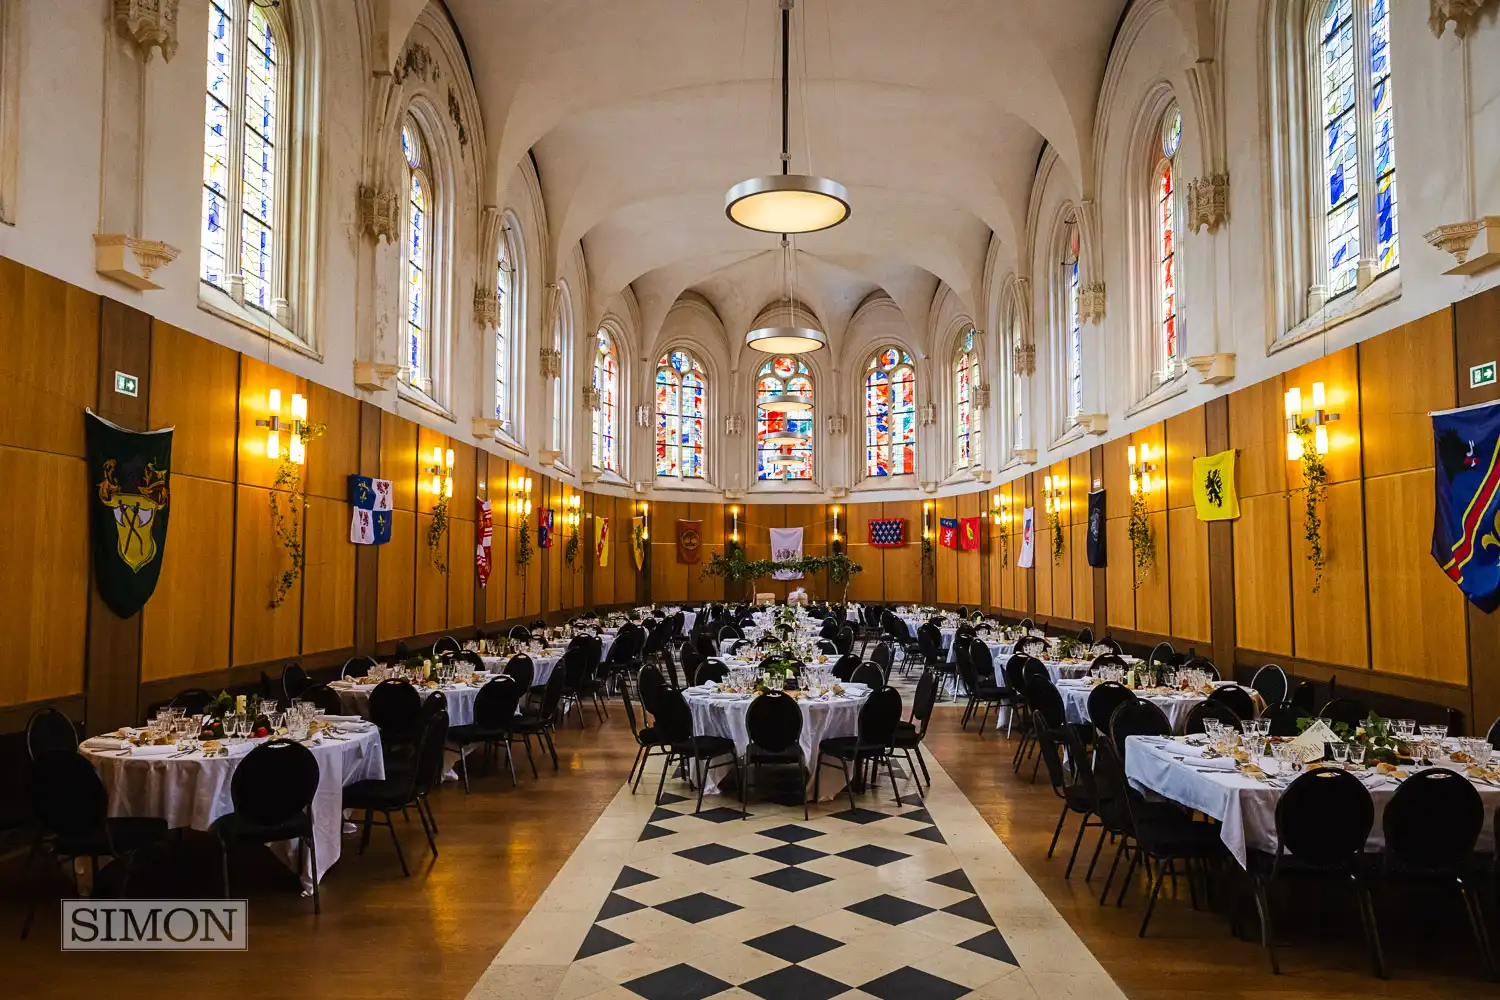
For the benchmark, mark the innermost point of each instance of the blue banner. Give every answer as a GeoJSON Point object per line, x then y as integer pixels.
{"type": "Point", "coordinates": [1466, 521]}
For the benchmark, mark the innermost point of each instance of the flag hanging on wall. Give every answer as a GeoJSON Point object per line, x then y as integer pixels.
{"type": "Point", "coordinates": [483, 548]}
{"type": "Point", "coordinates": [544, 521]}
{"type": "Point", "coordinates": [948, 532]}
{"type": "Point", "coordinates": [968, 533]}
{"type": "Point", "coordinates": [128, 509]}
{"type": "Point", "coordinates": [888, 532]}
{"type": "Point", "coordinates": [1213, 487]}
{"type": "Point", "coordinates": [370, 521]}
{"type": "Point", "coordinates": [1096, 547]}
{"type": "Point", "coordinates": [1466, 518]}
{"type": "Point", "coordinates": [689, 541]}
{"type": "Point", "coordinates": [1027, 557]}
{"type": "Point", "coordinates": [601, 540]}
{"type": "Point", "coordinates": [786, 546]}
{"type": "Point", "coordinates": [638, 540]}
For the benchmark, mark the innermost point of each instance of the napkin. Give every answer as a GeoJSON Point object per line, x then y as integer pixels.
{"type": "Point", "coordinates": [104, 743]}
{"type": "Point", "coordinates": [154, 751]}
{"type": "Point", "coordinates": [342, 718]}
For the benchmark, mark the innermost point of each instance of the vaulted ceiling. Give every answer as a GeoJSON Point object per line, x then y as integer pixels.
{"type": "Point", "coordinates": [641, 114]}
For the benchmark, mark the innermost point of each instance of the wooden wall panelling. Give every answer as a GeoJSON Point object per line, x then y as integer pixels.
{"type": "Point", "coordinates": [1043, 569]}
{"type": "Point", "coordinates": [1330, 625]}
{"type": "Point", "coordinates": [626, 575]}
{"type": "Point", "coordinates": [1262, 572]}
{"type": "Point", "coordinates": [1257, 428]}
{"type": "Point", "coordinates": [756, 522]}
{"type": "Point", "coordinates": [1118, 572]}
{"type": "Point", "coordinates": [553, 556]}
{"type": "Point", "coordinates": [1187, 567]}
{"type": "Point", "coordinates": [1154, 437]}
{"type": "Point", "coordinates": [257, 380]}
{"type": "Point", "coordinates": [431, 595]}
{"type": "Point", "coordinates": [1153, 598]}
{"type": "Point", "coordinates": [1100, 581]}
{"type": "Point", "coordinates": [261, 632]}
{"type": "Point", "coordinates": [1339, 373]}
{"type": "Point", "coordinates": [49, 370]}
{"type": "Point", "coordinates": [398, 459]}
{"type": "Point", "coordinates": [328, 594]}
{"type": "Point", "coordinates": [185, 625]}
{"type": "Point", "coordinates": [945, 560]}
{"type": "Point", "coordinates": [1475, 321]}
{"type": "Point", "coordinates": [1184, 442]}
{"type": "Point", "coordinates": [195, 386]}
{"type": "Point", "coordinates": [333, 457]}
{"type": "Point", "coordinates": [902, 570]}
{"type": "Point", "coordinates": [812, 518]}
{"type": "Point", "coordinates": [1220, 546]}
{"type": "Point", "coordinates": [367, 557]}
{"type": "Point", "coordinates": [398, 578]}
{"type": "Point", "coordinates": [603, 576]}
{"type": "Point", "coordinates": [1082, 575]}
{"type": "Point", "coordinates": [1403, 375]}
{"type": "Point", "coordinates": [1117, 478]}
{"type": "Point", "coordinates": [496, 470]}
{"type": "Point", "coordinates": [1010, 544]}
{"type": "Point", "coordinates": [969, 561]}
{"type": "Point", "coordinates": [867, 585]}
{"type": "Point", "coordinates": [669, 578]}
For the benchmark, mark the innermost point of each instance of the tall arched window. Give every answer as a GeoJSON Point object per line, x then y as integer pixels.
{"type": "Point", "coordinates": [1167, 355]}
{"type": "Point", "coordinates": [1073, 330]}
{"type": "Point", "coordinates": [245, 107]}
{"type": "Point", "coordinates": [680, 414]}
{"type": "Point", "coordinates": [967, 375]}
{"type": "Point", "coordinates": [418, 354]}
{"type": "Point", "coordinates": [607, 385]}
{"type": "Point", "coordinates": [1354, 48]}
{"type": "Point", "coordinates": [890, 414]}
{"type": "Point", "coordinates": [504, 274]}
{"type": "Point", "coordinates": [784, 406]}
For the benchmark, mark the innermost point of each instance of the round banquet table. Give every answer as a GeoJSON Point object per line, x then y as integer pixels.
{"type": "Point", "coordinates": [193, 791]}
{"type": "Point", "coordinates": [355, 697]}
{"type": "Point", "coordinates": [1176, 705]}
{"type": "Point", "coordinates": [999, 651]}
{"type": "Point", "coordinates": [724, 715]}
{"type": "Point", "coordinates": [542, 664]}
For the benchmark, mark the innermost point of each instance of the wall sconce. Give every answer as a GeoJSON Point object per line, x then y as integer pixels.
{"type": "Point", "coordinates": [834, 512]}
{"type": "Point", "coordinates": [296, 453]}
{"type": "Point", "coordinates": [520, 491]}
{"type": "Point", "coordinates": [999, 510]}
{"type": "Point", "coordinates": [1053, 489]}
{"type": "Point", "coordinates": [1295, 422]}
{"type": "Point", "coordinates": [571, 516]}
{"type": "Point", "coordinates": [442, 472]}
{"type": "Point", "coordinates": [734, 525]}
{"type": "Point", "coordinates": [1140, 472]}
{"type": "Point", "coordinates": [927, 519]}
{"type": "Point", "coordinates": [646, 513]}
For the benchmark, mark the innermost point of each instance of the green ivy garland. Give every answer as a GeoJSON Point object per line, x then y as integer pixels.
{"type": "Point", "coordinates": [926, 548]}
{"type": "Point", "coordinates": [735, 568]}
{"type": "Point", "coordinates": [286, 525]}
{"type": "Point", "coordinates": [1004, 536]}
{"type": "Point", "coordinates": [438, 527]}
{"type": "Point", "coordinates": [1054, 521]}
{"type": "Point", "coordinates": [1142, 547]}
{"type": "Point", "coordinates": [1314, 491]}
{"type": "Point", "coordinates": [523, 552]}
{"type": "Point", "coordinates": [570, 551]}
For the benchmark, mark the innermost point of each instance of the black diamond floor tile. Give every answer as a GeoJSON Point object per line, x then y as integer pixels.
{"type": "Point", "coordinates": [632, 876]}
{"type": "Point", "coordinates": [861, 815]}
{"type": "Point", "coordinates": [795, 983]}
{"type": "Point", "coordinates": [792, 879]}
{"type": "Point", "coordinates": [928, 833]}
{"type": "Point", "coordinates": [616, 905]}
{"type": "Point", "coordinates": [992, 945]}
{"type": "Point", "coordinates": [971, 907]}
{"type": "Point", "coordinates": [698, 907]}
{"type": "Point", "coordinates": [598, 941]}
{"type": "Point", "coordinates": [710, 854]}
{"type": "Point", "coordinates": [680, 982]}
{"type": "Point", "coordinates": [660, 814]}
{"type": "Point", "coordinates": [790, 833]}
{"type": "Point", "coordinates": [720, 814]}
{"type": "Point", "coordinates": [910, 800]}
{"type": "Point", "coordinates": [795, 944]}
{"type": "Point", "coordinates": [889, 909]}
{"type": "Point", "coordinates": [652, 831]}
{"type": "Point", "coordinates": [913, 984]}
{"type": "Point", "coordinates": [872, 855]}
{"type": "Point", "coordinates": [920, 815]}
{"type": "Point", "coordinates": [792, 854]}
{"type": "Point", "coordinates": [956, 879]}
{"type": "Point", "coordinates": [668, 799]}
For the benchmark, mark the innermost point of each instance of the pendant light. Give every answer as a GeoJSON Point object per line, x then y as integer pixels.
{"type": "Point", "coordinates": [787, 202]}
{"type": "Point", "coordinates": [790, 337]}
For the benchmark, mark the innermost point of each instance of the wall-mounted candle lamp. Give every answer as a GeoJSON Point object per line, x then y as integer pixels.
{"type": "Point", "coordinates": [520, 491]}
{"type": "Point", "coordinates": [571, 516]}
{"type": "Point", "coordinates": [834, 515]}
{"type": "Point", "coordinates": [999, 510]}
{"type": "Point", "coordinates": [1053, 490]}
{"type": "Point", "coordinates": [927, 519]}
{"type": "Point", "coordinates": [734, 525]}
{"type": "Point", "coordinates": [646, 513]}
{"type": "Point", "coordinates": [296, 452]}
{"type": "Point", "coordinates": [1295, 422]}
{"type": "Point", "coordinates": [442, 472]}
{"type": "Point", "coordinates": [1140, 472]}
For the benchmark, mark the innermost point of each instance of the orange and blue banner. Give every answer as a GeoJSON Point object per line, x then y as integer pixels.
{"type": "Point", "coordinates": [1466, 521]}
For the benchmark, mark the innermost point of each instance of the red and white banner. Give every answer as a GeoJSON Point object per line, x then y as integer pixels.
{"type": "Point", "coordinates": [486, 536]}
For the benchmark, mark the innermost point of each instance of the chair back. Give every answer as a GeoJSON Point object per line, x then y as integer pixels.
{"type": "Point", "coordinates": [930, 640]}
{"type": "Point", "coordinates": [1032, 645]}
{"type": "Point", "coordinates": [982, 659]}
{"type": "Point", "coordinates": [294, 681]}
{"type": "Point", "coordinates": [730, 632]}
{"type": "Point", "coordinates": [673, 719]}
{"type": "Point", "coordinates": [325, 697]}
{"type": "Point", "coordinates": [1238, 700]}
{"type": "Point", "coordinates": [828, 647]}
{"type": "Point", "coordinates": [1015, 673]}
{"type": "Point", "coordinates": [878, 717]}
{"type": "Point", "coordinates": [1271, 681]}
{"type": "Point", "coordinates": [429, 771]}
{"type": "Point", "coordinates": [868, 674]}
{"type": "Point", "coordinates": [710, 670]}
{"type": "Point", "coordinates": [1204, 664]}
{"type": "Point", "coordinates": [445, 644]}
{"type": "Point", "coordinates": [275, 781]}
{"type": "Point", "coordinates": [1284, 718]}
{"type": "Point", "coordinates": [1346, 710]}
{"type": "Point", "coordinates": [356, 666]}
{"type": "Point", "coordinates": [924, 700]}
{"type": "Point", "coordinates": [1113, 644]}
{"type": "Point", "coordinates": [845, 639]}
{"type": "Point", "coordinates": [966, 673]}
{"type": "Point", "coordinates": [635, 725]}
{"type": "Point", "coordinates": [845, 667]}
{"type": "Point", "coordinates": [1034, 671]}
{"type": "Point", "coordinates": [1210, 709]}
{"type": "Point", "coordinates": [651, 685]}
{"type": "Point", "coordinates": [1494, 734]}
{"type": "Point", "coordinates": [472, 660]}
{"type": "Point", "coordinates": [1137, 718]}
{"type": "Point", "coordinates": [881, 654]}
{"type": "Point", "coordinates": [394, 707]}
{"type": "Point", "coordinates": [50, 731]}
{"type": "Point", "coordinates": [1028, 624]}
{"type": "Point", "coordinates": [1324, 817]}
{"type": "Point", "coordinates": [1164, 654]}
{"type": "Point", "coordinates": [1434, 819]}
{"type": "Point", "coordinates": [1046, 703]}
{"type": "Point", "coordinates": [523, 669]}
{"type": "Point", "coordinates": [1104, 699]}
{"type": "Point", "coordinates": [1107, 660]}
{"type": "Point", "coordinates": [495, 704]}
{"type": "Point", "coordinates": [552, 694]}
{"type": "Point", "coordinates": [1086, 634]}
{"type": "Point", "coordinates": [66, 794]}
{"type": "Point", "coordinates": [194, 701]}
{"type": "Point", "coordinates": [774, 721]}
{"type": "Point", "coordinates": [1049, 742]}
{"type": "Point", "coordinates": [433, 704]}
{"type": "Point", "coordinates": [520, 632]}
{"type": "Point", "coordinates": [829, 630]}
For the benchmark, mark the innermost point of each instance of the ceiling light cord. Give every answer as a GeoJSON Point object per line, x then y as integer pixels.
{"type": "Point", "coordinates": [786, 85]}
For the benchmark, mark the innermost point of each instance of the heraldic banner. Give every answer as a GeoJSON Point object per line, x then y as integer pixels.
{"type": "Point", "coordinates": [1466, 518]}
{"type": "Point", "coordinates": [968, 533]}
{"type": "Point", "coordinates": [370, 520]}
{"type": "Point", "coordinates": [483, 549]}
{"type": "Point", "coordinates": [888, 532]}
{"type": "Point", "coordinates": [128, 510]}
{"type": "Point", "coordinates": [1213, 487]}
{"type": "Point", "coordinates": [786, 545]}
{"type": "Point", "coordinates": [1096, 548]}
{"type": "Point", "coordinates": [948, 532]}
{"type": "Point", "coordinates": [638, 540]}
{"type": "Point", "coordinates": [1027, 557]}
{"type": "Point", "coordinates": [601, 540]}
{"type": "Point", "coordinates": [689, 541]}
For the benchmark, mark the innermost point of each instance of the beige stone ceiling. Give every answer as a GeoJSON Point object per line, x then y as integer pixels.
{"type": "Point", "coordinates": [641, 113]}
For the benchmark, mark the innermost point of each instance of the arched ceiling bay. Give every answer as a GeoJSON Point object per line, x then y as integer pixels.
{"type": "Point", "coordinates": [641, 114]}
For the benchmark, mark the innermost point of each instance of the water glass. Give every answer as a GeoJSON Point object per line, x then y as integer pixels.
{"type": "Point", "coordinates": [1341, 753]}
{"type": "Point", "coordinates": [1356, 754]}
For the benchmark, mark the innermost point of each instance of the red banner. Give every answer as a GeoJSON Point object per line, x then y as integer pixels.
{"type": "Point", "coordinates": [482, 549]}
{"type": "Point", "coordinates": [968, 532]}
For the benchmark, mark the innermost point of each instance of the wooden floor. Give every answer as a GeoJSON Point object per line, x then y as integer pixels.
{"type": "Point", "coordinates": [432, 935]}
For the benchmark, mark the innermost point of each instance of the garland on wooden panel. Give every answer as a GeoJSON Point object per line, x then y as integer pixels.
{"type": "Point", "coordinates": [1054, 521]}
{"type": "Point", "coordinates": [570, 551]}
{"type": "Point", "coordinates": [1314, 491]}
{"type": "Point", "coordinates": [437, 528]}
{"type": "Point", "coordinates": [735, 568]}
{"type": "Point", "coordinates": [1142, 545]}
{"type": "Point", "coordinates": [286, 525]}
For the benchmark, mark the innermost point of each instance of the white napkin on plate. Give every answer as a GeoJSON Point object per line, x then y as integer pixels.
{"type": "Point", "coordinates": [154, 751]}
{"type": "Point", "coordinates": [104, 743]}
{"type": "Point", "coordinates": [342, 718]}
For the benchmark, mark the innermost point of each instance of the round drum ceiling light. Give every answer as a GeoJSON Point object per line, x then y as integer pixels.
{"type": "Point", "coordinates": [787, 203]}
{"type": "Point", "coordinates": [787, 403]}
{"type": "Point", "coordinates": [786, 438]}
{"type": "Point", "coordinates": [786, 339]}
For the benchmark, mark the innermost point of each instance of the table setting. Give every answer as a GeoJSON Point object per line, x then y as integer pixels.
{"type": "Point", "coordinates": [458, 685]}
{"type": "Point", "coordinates": [1177, 694]}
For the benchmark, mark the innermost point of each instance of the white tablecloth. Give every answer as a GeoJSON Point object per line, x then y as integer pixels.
{"type": "Point", "coordinates": [1075, 696]}
{"type": "Point", "coordinates": [999, 652]}
{"type": "Point", "coordinates": [194, 791]}
{"type": "Point", "coordinates": [460, 697]}
{"type": "Point", "coordinates": [542, 665]}
{"type": "Point", "coordinates": [1245, 807]}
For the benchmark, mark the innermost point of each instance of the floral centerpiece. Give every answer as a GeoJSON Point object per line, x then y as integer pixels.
{"type": "Point", "coordinates": [1381, 745]}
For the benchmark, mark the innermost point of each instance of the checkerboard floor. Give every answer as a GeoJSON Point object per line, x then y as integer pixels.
{"type": "Point", "coordinates": [914, 899]}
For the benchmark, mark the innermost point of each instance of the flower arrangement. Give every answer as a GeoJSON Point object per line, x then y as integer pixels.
{"type": "Point", "coordinates": [1381, 746]}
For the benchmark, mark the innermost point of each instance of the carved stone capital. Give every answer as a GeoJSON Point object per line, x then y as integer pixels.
{"type": "Point", "coordinates": [1215, 368]}
{"type": "Point", "coordinates": [592, 399]}
{"type": "Point", "coordinates": [486, 306]}
{"type": "Point", "coordinates": [131, 260]}
{"type": "Point", "coordinates": [374, 376]}
{"type": "Point", "coordinates": [928, 414]}
{"type": "Point", "coordinates": [838, 423]}
{"type": "Point", "coordinates": [1208, 202]}
{"type": "Point", "coordinates": [549, 456]}
{"type": "Point", "coordinates": [979, 397]}
{"type": "Point", "coordinates": [379, 213]}
{"type": "Point", "coordinates": [643, 415]}
{"type": "Point", "coordinates": [1474, 246]}
{"type": "Point", "coordinates": [1093, 423]}
{"type": "Point", "coordinates": [982, 475]}
{"type": "Point", "coordinates": [1025, 359]}
{"type": "Point", "coordinates": [1091, 302]}
{"type": "Point", "coordinates": [486, 427]}
{"type": "Point", "coordinates": [734, 423]}
{"type": "Point", "coordinates": [151, 23]}
{"type": "Point", "coordinates": [1463, 14]}
{"type": "Point", "coordinates": [551, 362]}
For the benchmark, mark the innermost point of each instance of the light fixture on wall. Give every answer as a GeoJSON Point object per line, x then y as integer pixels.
{"type": "Point", "coordinates": [520, 492]}
{"type": "Point", "coordinates": [1053, 490]}
{"type": "Point", "coordinates": [834, 515]}
{"type": "Point", "coordinates": [646, 528]}
{"type": "Point", "coordinates": [442, 472]}
{"type": "Point", "coordinates": [571, 516]}
{"type": "Point", "coordinates": [1140, 473]}
{"type": "Point", "coordinates": [787, 202]}
{"type": "Point", "coordinates": [1296, 423]}
{"type": "Point", "coordinates": [999, 510]}
{"type": "Point", "coordinates": [734, 525]}
{"type": "Point", "coordinates": [296, 452]}
{"type": "Point", "coordinates": [927, 519]}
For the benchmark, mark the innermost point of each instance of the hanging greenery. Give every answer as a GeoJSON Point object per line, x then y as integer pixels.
{"type": "Point", "coordinates": [523, 544]}
{"type": "Point", "coordinates": [1314, 491]}
{"type": "Point", "coordinates": [437, 528]}
{"type": "Point", "coordinates": [1054, 521]}
{"type": "Point", "coordinates": [1142, 545]}
{"type": "Point", "coordinates": [570, 551]}
{"type": "Point", "coordinates": [286, 522]}
{"type": "Point", "coordinates": [926, 548]}
{"type": "Point", "coordinates": [1003, 535]}
{"type": "Point", "coordinates": [735, 568]}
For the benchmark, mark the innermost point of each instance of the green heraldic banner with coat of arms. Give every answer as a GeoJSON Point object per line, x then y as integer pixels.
{"type": "Point", "coordinates": [129, 504]}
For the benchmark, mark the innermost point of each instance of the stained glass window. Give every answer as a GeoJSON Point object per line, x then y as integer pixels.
{"type": "Point", "coordinates": [967, 376]}
{"type": "Point", "coordinates": [1072, 319]}
{"type": "Point", "coordinates": [1166, 243]}
{"type": "Point", "coordinates": [417, 222]}
{"type": "Point", "coordinates": [242, 115]}
{"type": "Point", "coordinates": [890, 414]}
{"type": "Point", "coordinates": [607, 384]}
{"type": "Point", "coordinates": [680, 416]}
{"type": "Point", "coordinates": [503, 270]}
{"type": "Point", "coordinates": [783, 437]}
{"type": "Point", "coordinates": [1345, 116]}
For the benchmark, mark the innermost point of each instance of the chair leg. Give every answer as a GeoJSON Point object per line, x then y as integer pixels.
{"type": "Point", "coordinates": [890, 769]}
{"type": "Point", "coordinates": [803, 775]}
{"type": "Point", "coordinates": [1267, 935]}
{"type": "Point", "coordinates": [849, 779]}
{"type": "Point", "coordinates": [552, 749]}
{"type": "Point", "coordinates": [224, 866]}
{"type": "Point", "coordinates": [702, 783]}
{"type": "Point", "coordinates": [391, 825]}
{"type": "Point", "coordinates": [1372, 929]}
{"type": "Point", "coordinates": [1481, 929]}
{"type": "Point", "coordinates": [421, 815]}
{"type": "Point", "coordinates": [817, 776]}
{"type": "Point", "coordinates": [431, 817]}
{"type": "Point", "coordinates": [1088, 876]}
{"type": "Point", "coordinates": [922, 763]}
{"type": "Point", "coordinates": [463, 764]}
{"type": "Point", "coordinates": [364, 834]}
{"type": "Point", "coordinates": [1077, 842]}
{"type": "Point", "coordinates": [1135, 860]}
{"type": "Point", "coordinates": [510, 763]}
{"type": "Point", "coordinates": [662, 783]}
{"type": "Point", "coordinates": [1114, 867]}
{"type": "Point", "coordinates": [26, 921]}
{"type": "Point", "coordinates": [1061, 819]}
{"type": "Point", "coordinates": [1161, 876]}
{"type": "Point", "coordinates": [744, 807]}
{"type": "Point", "coordinates": [312, 861]}
{"type": "Point", "coordinates": [526, 738]}
{"type": "Point", "coordinates": [633, 766]}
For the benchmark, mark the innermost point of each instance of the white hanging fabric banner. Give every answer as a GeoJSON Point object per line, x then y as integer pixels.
{"type": "Point", "coordinates": [1028, 540]}
{"type": "Point", "coordinates": [786, 545]}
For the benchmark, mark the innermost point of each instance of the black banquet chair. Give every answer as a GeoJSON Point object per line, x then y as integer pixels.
{"type": "Point", "coordinates": [1219, 711]}
{"type": "Point", "coordinates": [294, 681]}
{"type": "Point", "coordinates": [272, 791]}
{"type": "Point", "coordinates": [878, 717]}
{"type": "Point", "coordinates": [1237, 699]}
{"type": "Point", "coordinates": [50, 731]}
{"type": "Point", "coordinates": [1272, 683]}
{"type": "Point", "coordinates": [1346, 710]}
{"type": "Point", "coordinates": [393, 794]}
{"type": "Point", "coordinates": [910, 733]}
{"type": "Point", "coordinates": [395, 707]}
{"type": "Point", "coordinates": [325, 697]}
{"type": "Point", "coordinates": [774, 724]}
{"type": "Point", "coordinates": [674, 726]}
{"type": "Point", "coordinates": [494, 714]}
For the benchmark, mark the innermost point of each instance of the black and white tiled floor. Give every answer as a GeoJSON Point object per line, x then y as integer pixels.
{"type": "Point", "coordinates": [905, 900]}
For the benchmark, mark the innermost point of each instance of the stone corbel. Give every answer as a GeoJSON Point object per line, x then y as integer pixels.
{"type": "Point", "coordinates": [549, 456]}
{"type": "Point", "coordinates": [551, 362]}
{"type": "Point", "coordinates": [734, 423]}
{"type": "Point", "coordinates": [1214, 368]}
{"type": "Point", "coordinates": [151, 23]}
{"type": "Point", "coordinates": [589, 476]}
{"type": "Point", "coordinates": [592, 400]}
{"type": "Point", "coordinates": [1208, 202]}
{"type": "Point", "coordinates": [838, 492]}
{"type": "Point", "coordinates": [979, 397]}
{"type": "Point", "coordinates": [928, 414]}
{"type": "Point", "coordinates": [1093, 423]}
{"type": "Point", "coordinates": [374, 376]}
{"type": "Point", "coordinates": [486, 306]}
{"type": "Point", "coordinates": [929, 487]}
{"type": "Point", "coordinates": [1474, 246]}
{"type": "Point", "coordinates": [643, 415]}
{"type": "Point", "coordinates": [1463, 14]}
{"type": "Point", "coordinates": [379, 214]}
{"type": "Point", "coordinates": [838, 423]}
{"type": "Point", "coordinates": [1091, 303]}
{"type": "Point", "coordinates": [1025, 359]}
{"type": "Point", "coordinates": [486, 427]}
{"type": "Point", "coordinates": [131, 260]}
{"type": "Point", "coordinates": [982, 475]}
{"type": "Point", "coordinates": [1027, 456]}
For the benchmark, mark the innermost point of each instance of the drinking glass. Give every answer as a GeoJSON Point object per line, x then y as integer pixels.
{"type": "Point", "coordinates": [1357, 754]}
{"type": "Point", "coordinates": [1341, 753]}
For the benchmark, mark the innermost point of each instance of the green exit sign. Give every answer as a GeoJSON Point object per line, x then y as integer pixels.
{"type": "Point", "coordinates": [127, 385]}
{"type": "Point", "coordinates": [1482, 375]}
